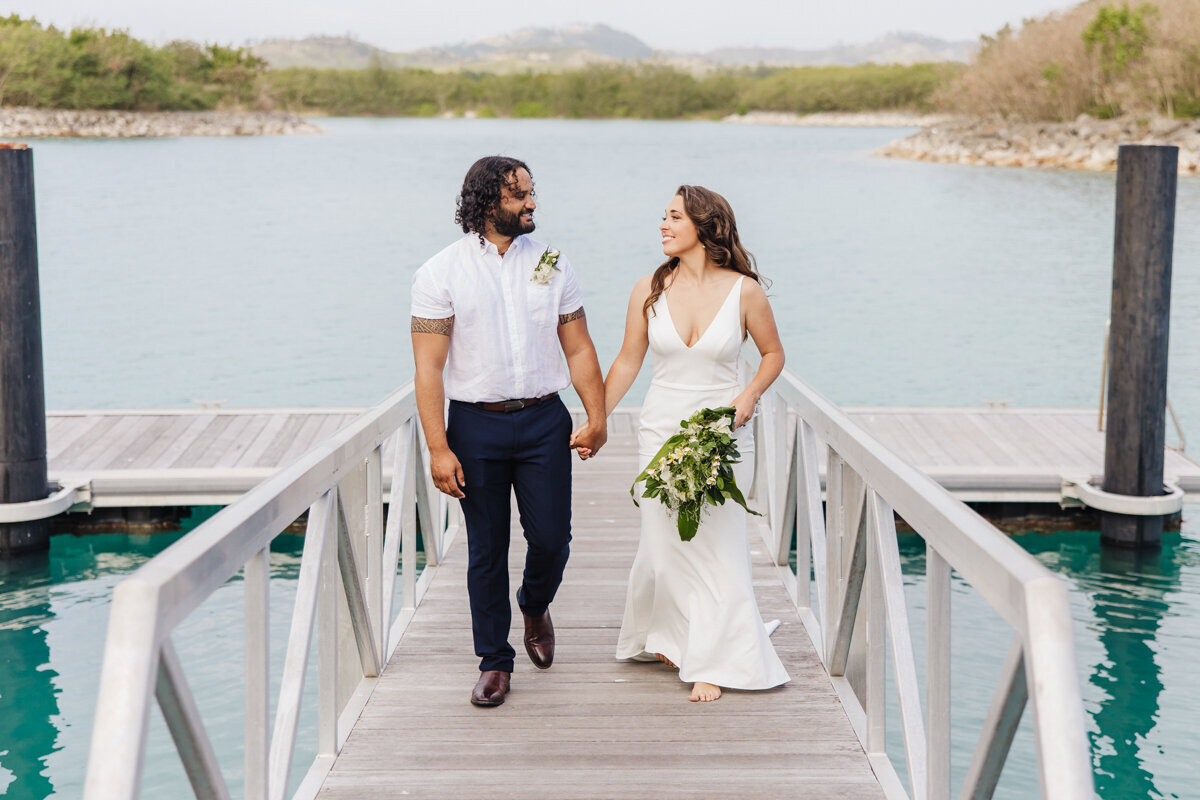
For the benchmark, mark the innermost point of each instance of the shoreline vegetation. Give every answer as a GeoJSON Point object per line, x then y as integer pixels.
{"type": "Point", "coordinates": [1060, 91]}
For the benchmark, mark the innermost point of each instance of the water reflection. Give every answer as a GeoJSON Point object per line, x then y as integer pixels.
{"type": "Point", "coordinates": [1130, 601]}
{"type": "Point", "coordinates": [35, 591]}
{"type": "Point", "coordinates": [28, 696]}
{"type": "Point", "coordinates": [1129, 597]}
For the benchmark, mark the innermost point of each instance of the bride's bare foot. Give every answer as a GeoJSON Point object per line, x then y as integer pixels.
{"type": "Point", "coordinates": [666, 661]}
{"type": "Point", "coordinates": [704, 692]}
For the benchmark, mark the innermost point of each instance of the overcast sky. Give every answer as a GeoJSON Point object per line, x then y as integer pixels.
{"type": "Point", "coordinates": [407, 25]}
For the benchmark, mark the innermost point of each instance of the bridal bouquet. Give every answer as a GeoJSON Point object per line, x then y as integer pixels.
{"type": "Point", "coordinates": [694, 468]}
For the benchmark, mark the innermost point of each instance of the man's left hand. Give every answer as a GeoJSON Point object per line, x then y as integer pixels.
{"type": "Point", "coordinates": [587, 439]}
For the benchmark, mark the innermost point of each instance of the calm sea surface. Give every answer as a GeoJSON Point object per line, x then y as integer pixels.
{"type": "Point", "coordinates": [275, 272]}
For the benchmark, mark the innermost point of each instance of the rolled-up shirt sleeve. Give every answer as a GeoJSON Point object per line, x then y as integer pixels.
{"type": "Point", "coordinates": [430, 299]}
{"type": "Point", "coordinates": [572, 293]}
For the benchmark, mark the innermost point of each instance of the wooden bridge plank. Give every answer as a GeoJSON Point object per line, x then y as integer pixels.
{"type": "Point", "coordinates": [125, 454]}
{"type": "Point", "coordinates": [592, 726]}
{"type": "Point", "coordinates": [99, 448]}
{"type": "Point", "coordinates": [166, 457]}
{"type": "Point", "coordinates": [64, 436]}
{"type": "Point", "coordinates": [189, 457]}
{"type": "Point", "coordinates": [262, 440]}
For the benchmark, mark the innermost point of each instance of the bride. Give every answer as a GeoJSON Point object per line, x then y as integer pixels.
{"type": "Point", "coordinates": [691, 604]}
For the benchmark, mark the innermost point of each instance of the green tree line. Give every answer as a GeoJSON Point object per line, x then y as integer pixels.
{"type": "Point", "coordinates": [93, 68]}
{"type": "Point", "coordinates": [607, 91]}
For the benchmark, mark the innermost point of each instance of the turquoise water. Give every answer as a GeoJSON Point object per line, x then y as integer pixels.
{"type": "Point", "coordinates": [1137, 641]}
{"type": "Point", "coordinates": [275, 272]}
{"type": "Point", "coordinates": [53, 615]}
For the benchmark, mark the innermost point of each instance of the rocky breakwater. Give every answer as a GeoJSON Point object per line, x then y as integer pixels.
{"type": "Point", "coordinates": [1085, 143]}
{"type": "Point", "coordinates": [21, 123]}
{"type": "Point", "coordinates": [839, 119]}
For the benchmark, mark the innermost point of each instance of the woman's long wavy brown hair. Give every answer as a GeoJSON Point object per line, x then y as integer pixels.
{"type": "Point", "coordinates": [717, 231]}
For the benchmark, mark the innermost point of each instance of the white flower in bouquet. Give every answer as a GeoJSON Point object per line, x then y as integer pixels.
{"type": "Point", "coordinates": [694, 468]}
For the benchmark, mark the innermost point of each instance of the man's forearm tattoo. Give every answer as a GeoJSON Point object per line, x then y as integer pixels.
{"type": "Point", "coordinates": [563, 319]}
{"type": "Point", "coordinates": [438, 326]}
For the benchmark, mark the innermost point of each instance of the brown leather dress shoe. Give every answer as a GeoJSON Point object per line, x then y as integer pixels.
{"type": "Point", "coordinates": [539, 639]}
{"type": "Point", "coordinates": [491, 688]}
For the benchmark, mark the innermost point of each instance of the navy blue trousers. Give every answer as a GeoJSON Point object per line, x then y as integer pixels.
{"type": "Point", "coordinates": [525, 452]}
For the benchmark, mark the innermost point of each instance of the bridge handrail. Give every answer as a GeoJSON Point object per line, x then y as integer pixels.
{"type": "Point", "coordinates": [852, 550]}
{"type": "Point", "coordinates": [350, 550]}
{"type": "Point", "coordinates": [851, 546]}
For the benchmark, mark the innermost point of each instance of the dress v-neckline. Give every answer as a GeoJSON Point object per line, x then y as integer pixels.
{"type": "Point", "coordinates": [667, 305]}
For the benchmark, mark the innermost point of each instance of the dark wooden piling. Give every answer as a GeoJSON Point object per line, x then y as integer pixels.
{"type": "Point", "coordinates": [1141, 309]}
{"type": "Point", "coordinates": [22, 393]}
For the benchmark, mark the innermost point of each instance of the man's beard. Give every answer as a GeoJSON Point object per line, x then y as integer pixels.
{"type": "Point", "coordinates": [509, 224]}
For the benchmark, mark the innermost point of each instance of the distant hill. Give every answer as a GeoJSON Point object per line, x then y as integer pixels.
{"type": "Point", "coordinates": [894, 48]}
{"type": "Point", "coordinates": [322, 52]}
{"type": "Point", "coordinates": [541, 49]}
{"type": "Point", "coordinates": [571, 46]}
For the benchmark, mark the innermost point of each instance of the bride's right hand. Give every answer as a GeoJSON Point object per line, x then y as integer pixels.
{"type": "Point", "coordinates": [744, 407]}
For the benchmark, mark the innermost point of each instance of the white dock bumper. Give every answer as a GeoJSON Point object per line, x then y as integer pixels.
{"type": "Point", "coordinates": [1080, 490]}
{"type": "Point", "coordinates": [60, 501]}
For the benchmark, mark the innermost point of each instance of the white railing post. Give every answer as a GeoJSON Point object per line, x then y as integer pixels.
{"type": "Point", "coordinates": [760, 493]}
{"type": "Point", "coordinates": [295, 664]}
{"type": "Point", "coordinates": [834, 531]}
{"type": "Point", "coordinates": [403, 442]}
{"type": "Point", "coordinates": [408, 536]}
{"type": "Point", "coordinates": [257, 574]}
{"type": "Point", "coordinates": [810, 523]}
{"type": "Point", "coordinates": [780, 478]}
{"type": "Point", "coordinates": [328, 624]}
{"type": "Point", "coordinates": [883, 527]}
{"type": "Point", "coordinates": [373, 579]}
{"type": "Point", "coordinates": [789, 492]}
{"type": "Point", "coordinates": [937, 673]}
{"type": "Point", "coordinates": [127, 680]}
{"type": "Point", "coordinates": [1052, 678]}
{"type": "Point", "coordinates": [875, 701]}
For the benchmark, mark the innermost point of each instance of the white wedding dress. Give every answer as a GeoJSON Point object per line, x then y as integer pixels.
{"type": "Point", "coordinates": [694, 602]}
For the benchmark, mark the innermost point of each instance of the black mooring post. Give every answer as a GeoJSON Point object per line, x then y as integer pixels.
{"type": "Point", "coordinates": [1141, 310]}
{"type": "Point", "coordinates": [22, 392]}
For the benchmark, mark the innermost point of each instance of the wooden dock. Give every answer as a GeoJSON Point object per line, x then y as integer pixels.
{"type": "Point", "coordinates": [593, 727]}
{"type": "Point", "coordinates": [387, 632]}
{"type": "Point", "coordinates": [195, 457]}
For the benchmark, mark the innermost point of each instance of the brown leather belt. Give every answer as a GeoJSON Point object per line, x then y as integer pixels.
{"type": "Point", "coordinates": [508, 406]}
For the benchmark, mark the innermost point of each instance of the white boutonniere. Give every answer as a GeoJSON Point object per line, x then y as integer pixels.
{"type": "Point", "coordinates": [547, 265]}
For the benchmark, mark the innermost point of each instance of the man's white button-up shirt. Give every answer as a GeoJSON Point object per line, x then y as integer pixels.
{"type": "Point", "coordinates": [504, 343]}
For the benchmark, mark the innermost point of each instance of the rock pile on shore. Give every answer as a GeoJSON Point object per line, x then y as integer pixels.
{"type": "Point", "coordinates": [1086, 143]}
{"type": "Point", "coordinates": [20, 123]}
{"type": "Point", "coordinates": [840, 119]}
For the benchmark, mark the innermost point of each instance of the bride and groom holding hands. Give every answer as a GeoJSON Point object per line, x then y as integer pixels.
{"type": "Point", "coordinates": [498, 328]}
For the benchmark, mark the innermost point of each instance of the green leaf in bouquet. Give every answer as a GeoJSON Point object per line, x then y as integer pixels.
{"type": "Point", "coordinates": [687, 525]}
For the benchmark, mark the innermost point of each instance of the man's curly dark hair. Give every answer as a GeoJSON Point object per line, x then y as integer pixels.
{"type": "Point", "coordinates": [481, 191]}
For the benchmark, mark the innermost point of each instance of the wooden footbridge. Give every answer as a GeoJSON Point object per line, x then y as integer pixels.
{"type": "Point", "coordinates": [382, 591]}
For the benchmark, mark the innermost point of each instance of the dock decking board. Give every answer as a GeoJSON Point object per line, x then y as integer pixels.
{"type": "Point", "coordinates": [593, 727]}
{"type": "Point", "coordinates": [1012, 454]}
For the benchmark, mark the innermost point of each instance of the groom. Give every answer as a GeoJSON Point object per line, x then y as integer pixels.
{"type": "Point", "coordinates": [497, 311]}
